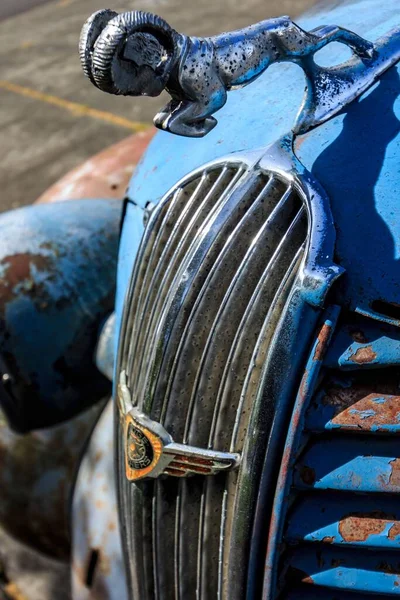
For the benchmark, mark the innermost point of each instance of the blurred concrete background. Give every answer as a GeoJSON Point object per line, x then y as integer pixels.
{"type": "Point", "coordinates": [52, 119]}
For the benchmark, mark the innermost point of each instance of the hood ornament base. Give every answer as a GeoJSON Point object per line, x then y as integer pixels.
{"type": "Point", "coordinates": [151, 452]}
{"type": "Point", "coordinates": [137, 53]}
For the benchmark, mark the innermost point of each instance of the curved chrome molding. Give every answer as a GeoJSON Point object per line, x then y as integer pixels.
{"type": "Point", "coordinates": [139, 54]}
{"type": "Point", "coordinates": [318, 271]}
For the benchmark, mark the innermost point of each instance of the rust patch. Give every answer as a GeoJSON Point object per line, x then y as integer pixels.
{"type": "Point", "coordinates": [394, 478]}
{"type": "Point", "coordinates": [373, 412]}
{"type": "Point", "coordinates": [363, 355]}
{"type": "Point", "coordinates": [323, 339]}
{"type": "Point", "coordinates": [376, 390]}
{"type": "Point", "coordinates": [358, 526]}
{"type": "Point", "coordinates": [328, 539]}
{"type": "Point", "coordinates": [18, 278]}
{"type": "Point", "coordinates": [307, 475]}
{"type": "Point", "coordinates": [303, 384]}
{"type": "Point", "coordinates": [394, 531]}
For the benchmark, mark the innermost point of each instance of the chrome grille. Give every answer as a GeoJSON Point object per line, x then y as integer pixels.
{"type": "Point", "coordinates": [218, 260]}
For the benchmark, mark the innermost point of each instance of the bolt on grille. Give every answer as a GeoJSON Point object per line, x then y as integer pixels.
{"type": "Point", "coordinates": [218, 260]}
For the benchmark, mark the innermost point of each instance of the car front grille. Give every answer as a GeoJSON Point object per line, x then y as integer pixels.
{"type": "Point", "coordinates": [218, 259]}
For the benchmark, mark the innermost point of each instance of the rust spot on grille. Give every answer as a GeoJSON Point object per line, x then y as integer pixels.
{"type": "Point", "coordinates": [323, 339]}
{"type": "Point", "coordinates": [394, 531]}
{"type": "Point", "coordinates": [394, 478]}
{"type": "Point", "coordinates": [358, 527]}
{"type": "Point", "coordinates": [363, 355]}
{"type": "Point", "coordinates": [307, 475]}
{"type": "Point", "coordinates": [371, 413]}
{"type": "Point", "coordinates": [328, 539]}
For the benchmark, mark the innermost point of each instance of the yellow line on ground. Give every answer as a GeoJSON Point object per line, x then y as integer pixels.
{"type": "Point", "coordinates": [77, 109]}
{"type": "Point", "coordinates": [14, 592]}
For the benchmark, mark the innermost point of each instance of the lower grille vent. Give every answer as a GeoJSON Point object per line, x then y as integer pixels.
{"type": "Point", "coordinates": [218, 260]}
{"type": "Point", "coordinates": [342, 532]}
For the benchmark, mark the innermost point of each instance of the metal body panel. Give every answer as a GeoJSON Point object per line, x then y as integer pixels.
{"type": "Point", "coordinates": [53, 299]}
{"type": "Point", "coordinates": [97, 563]}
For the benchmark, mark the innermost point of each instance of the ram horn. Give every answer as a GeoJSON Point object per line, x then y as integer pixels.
{"type": "Point", "coordinates": [112, 36]}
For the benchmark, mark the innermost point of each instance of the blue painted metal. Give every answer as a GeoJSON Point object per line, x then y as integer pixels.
{"type": "Point", "coordinates": [341, 521]}
{"type": "Point", "coordinates": [131, 235]}
{"type": "Point", "coordinates": [347, 465]}
{"type": "Point", "coordinates": [53, 298]}
{"type": "Point", "coordinates": [306, 390]}
{"type": "Point", "coordinates": [365, 572]}
{"type": "Point", "coordinates": [364, 344]}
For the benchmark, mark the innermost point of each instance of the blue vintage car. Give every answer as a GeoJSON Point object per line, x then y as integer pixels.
{"type": "Point", "coordinates": [254, 345]}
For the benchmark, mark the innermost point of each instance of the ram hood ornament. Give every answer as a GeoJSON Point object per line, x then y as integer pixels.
{"type": "Point", "coordinates": [150, 451]}
{"type": "Point", "coordinates": [139, 54]}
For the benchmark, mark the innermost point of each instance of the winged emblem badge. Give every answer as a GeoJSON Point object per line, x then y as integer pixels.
{"type": "Point", "coordinates": [150, 451]}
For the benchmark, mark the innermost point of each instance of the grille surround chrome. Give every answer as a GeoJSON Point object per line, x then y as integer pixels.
{"type": "Point", "coordinates": [155, 576]}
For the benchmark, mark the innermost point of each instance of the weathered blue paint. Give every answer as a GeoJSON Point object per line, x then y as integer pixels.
{"type": "Point", "coordinates": [131, 235]}
{"type": "Point", "coordinates": [364, 344]}
{"type": "Point", "coordinates": [364, 572]}
{"type": "Point", "coordinates": [325, 519]}
{"type": "Point", "coordinates": [293, 440]}
{"type": "Point", "coordinates": [353, 465]}
{"type": "Point", "coordinates": [53, 298]}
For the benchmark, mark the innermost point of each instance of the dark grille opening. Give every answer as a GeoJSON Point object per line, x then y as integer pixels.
{"type": "Point", "coordinates": [387, 309]}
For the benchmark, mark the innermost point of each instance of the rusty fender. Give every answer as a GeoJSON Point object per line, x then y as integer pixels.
{"type": "Point", "coordinates": [57, 284]}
